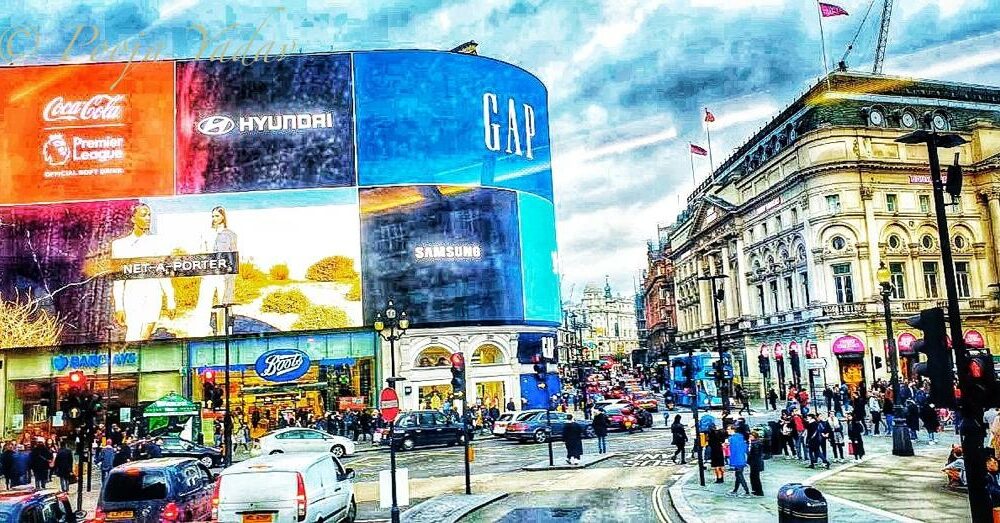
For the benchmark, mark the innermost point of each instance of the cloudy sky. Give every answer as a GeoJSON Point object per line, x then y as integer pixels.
{"type": "Point", "coordinates": [627, 78]}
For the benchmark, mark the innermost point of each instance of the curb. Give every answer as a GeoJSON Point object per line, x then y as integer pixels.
{"type": "Point", "coordinates": [679, 502]}
{"type": "Point", "coordinates": [413, 514]}
{"type": "Point", "coordinates": [544, 465]}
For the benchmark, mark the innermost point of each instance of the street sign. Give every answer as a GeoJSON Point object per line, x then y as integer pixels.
{"type": "Point", "coordinates": [389, 402]}
{"type": "Point", "coordinates": [816, 363]}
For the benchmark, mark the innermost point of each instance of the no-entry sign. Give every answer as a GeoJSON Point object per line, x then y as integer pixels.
{"type": "Point", "coordinates": [389, 403]}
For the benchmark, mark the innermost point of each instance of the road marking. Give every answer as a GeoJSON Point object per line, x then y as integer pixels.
{"type": "Point", "coordinates": [873, 510]}
{"type": "Point", "coordinates": [661, 513]}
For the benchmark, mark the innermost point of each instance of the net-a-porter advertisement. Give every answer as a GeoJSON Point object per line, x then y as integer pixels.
{"type": "Point", "coordinates": [344, 180]}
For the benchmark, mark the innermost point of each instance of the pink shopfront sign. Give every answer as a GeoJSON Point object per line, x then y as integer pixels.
{"type": "Point", "coordinates": [905, 343]}
{"type": "Point", "coordinates": [974, 339]}
{"type": "Point", "coordinates": [848, 345]}
{"type": "Point", "coordinates": [793, 348]}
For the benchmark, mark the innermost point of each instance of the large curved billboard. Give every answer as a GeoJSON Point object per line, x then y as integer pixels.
{"type": "Point", "coordinates": [302, 193]}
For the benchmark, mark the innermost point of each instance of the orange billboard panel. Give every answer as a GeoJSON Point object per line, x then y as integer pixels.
{"type": "Point", "coordinates": [65, 135]}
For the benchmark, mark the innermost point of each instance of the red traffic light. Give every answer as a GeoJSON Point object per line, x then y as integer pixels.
{"type": "Point", "coordinates": [458, 360]}
{"type": "Point", "coordinates": [77, 378]}
{"type": "Point", "coordinates": [975, 369]}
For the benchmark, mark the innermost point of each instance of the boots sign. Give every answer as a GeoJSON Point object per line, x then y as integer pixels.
{"type": "Point", "coordinates": [282, 365]}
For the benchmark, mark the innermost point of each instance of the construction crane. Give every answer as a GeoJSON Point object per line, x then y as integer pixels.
{"type": "Point", "coordinates": [883, 37]}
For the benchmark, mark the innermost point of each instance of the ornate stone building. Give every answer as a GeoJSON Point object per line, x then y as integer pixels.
{"type": "Point", "coordinates": [801, 216]}
{"type": "Point", "coordinates": [607, 322]}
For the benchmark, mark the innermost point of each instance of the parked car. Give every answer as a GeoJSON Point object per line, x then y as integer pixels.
{"type": "Point", "coordinates": [646, 400]}
{"type": "Point", "coordinates": [30, 505]}
{"type": "Point", "coordinates": [500, 425]}
{"type": "Point", "coordinates": [534, 427]}
{"type": "Point", "coordinates": [294, 439]}
{"type": "Point", "coordinates": [174, 447]}
{"type": "Point", "coordinates": [291, 488]}
{"type": "Point", "coordinates": [156, 490]}
{"type": "Point", "coordinates": [420, 428]}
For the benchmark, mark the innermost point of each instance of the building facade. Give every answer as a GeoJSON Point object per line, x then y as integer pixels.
{"type": "Point", "coordinates": [802, 215]}
{"type": "Point", "coordinates": [606, 322]}
{"type": "Point", "coordinates": [658, 295]}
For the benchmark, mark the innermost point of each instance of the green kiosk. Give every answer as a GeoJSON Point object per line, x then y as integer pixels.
{"type": "Point", "coordinates": [173, 414]}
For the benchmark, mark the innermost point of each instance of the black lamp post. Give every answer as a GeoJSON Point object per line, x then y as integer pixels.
{"type": "Point", "coordinates": [227, 420]}
{"type": "Point", "coordinates": [390, 325]}
{"type": "Point", "coordinates": [901, 444]}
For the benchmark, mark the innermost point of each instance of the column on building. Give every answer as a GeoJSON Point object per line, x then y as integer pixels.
{"type": "Point", "coordinates": [871, 232]}
{"type": "Point", "coordinates": [741, 272]}
{"type": "Point", "coordinates": [732, 282]}
{"type": "Point", "coordinates": [814, 268]}
{"type": "Point", "coordinates": [704, 294]}
{"type": "Point", "coordinates": [992, 195]}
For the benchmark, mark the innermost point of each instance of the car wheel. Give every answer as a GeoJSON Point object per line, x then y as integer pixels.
{"type": "Point", "coordinates": [273, 452]}
{"type": "Point", "coordinates": [352, 512]}
{"type": "Point", "coordinates": [541, 436]}
{"type": "Point", "coordinates": [338, 451]}
{"type": "Point", "coordinates": [408, 444]}
{"type": "Point", "coordinates": [207, 461]}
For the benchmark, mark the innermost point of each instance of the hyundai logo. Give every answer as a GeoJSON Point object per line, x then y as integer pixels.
{"type": "Point", "coordinates": [216, 125]}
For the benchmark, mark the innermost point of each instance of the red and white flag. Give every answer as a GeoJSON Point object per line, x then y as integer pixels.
{"type": "Point", "coordinates": [828, 10]}
{"type": "Point", "coordinates": [709, 117]}
{"type": "Point", "coordinates": [700, 151]}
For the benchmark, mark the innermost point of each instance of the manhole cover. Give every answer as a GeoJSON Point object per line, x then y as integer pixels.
{"type": "Point", "coordinates": [543, 514]}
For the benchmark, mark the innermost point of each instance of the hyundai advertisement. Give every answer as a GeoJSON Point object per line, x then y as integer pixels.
{"type": "Point", "coordinates": [354, 178]}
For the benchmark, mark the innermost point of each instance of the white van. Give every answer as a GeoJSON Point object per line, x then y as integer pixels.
{"type": "Point", "coordinates": [285, 488]}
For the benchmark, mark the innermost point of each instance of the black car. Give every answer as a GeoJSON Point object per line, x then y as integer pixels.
{"type": "Point", "coordinates": [42, 506]}
{"type": "Point", "coordinates": [421, 428]}
{"type": "Point", "coordinates": [174, 447]}
{"type": "Point", "coordinates": [157, 490]}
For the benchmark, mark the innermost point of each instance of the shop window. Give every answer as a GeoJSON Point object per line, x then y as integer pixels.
{"type": "Point", "coordinates": [487, 355]}
{"type": "Point", "coordinates": [433, 357]}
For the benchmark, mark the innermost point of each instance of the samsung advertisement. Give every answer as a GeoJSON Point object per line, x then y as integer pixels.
{"type": "Point", "coordinates": [342, 181]}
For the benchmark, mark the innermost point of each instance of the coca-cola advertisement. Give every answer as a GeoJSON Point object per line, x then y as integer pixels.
{"type": "Point", "coordinates": [67, 135]}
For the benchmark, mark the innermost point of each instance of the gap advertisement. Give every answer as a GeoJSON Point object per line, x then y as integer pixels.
{"type": "Point", "coordinates": [302, 193]}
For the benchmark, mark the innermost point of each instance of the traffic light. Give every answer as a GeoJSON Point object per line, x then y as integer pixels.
{"type": "Point", "coordinates": [939, 367]}
{"type": "Point", "coordinates": [953, 185]}
{"type": "Point", "coordinates": [458, 374]}
{"type": "Point", "coordinates": [541, 372]}
{"type": "Point", "coordinates": [878, 362]}
{"type": "Point", "coordinates": [984, 390]}
{"type": "Point", "coordinates": [77, 380]}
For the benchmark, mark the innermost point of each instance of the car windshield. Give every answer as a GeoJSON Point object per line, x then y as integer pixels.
{"type": "Point", "coordinates": [135, 485]}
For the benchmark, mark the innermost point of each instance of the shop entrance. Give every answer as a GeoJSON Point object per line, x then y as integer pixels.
{"type": "Point", "coordinates": [852, 372]}
{"type": "Point", "coordinates": [434, 397]}
{"type": "Point", "coordinates": [491, 394]}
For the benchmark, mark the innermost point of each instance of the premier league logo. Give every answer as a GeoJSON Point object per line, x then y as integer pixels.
{"type": "Point", "coordinates": [55, 150]}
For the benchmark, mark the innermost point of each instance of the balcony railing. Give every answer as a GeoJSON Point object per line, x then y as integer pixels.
{"type": "Point", "coordinates": [844, 309]}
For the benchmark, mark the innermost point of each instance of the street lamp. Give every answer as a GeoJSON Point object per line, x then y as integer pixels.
{"type": "Point", "coordinates": [390, 325]}
{"type": "Point", "coordinates": [227, 420]}
{"type": "Point", "coordinates": [717, 296]}
{"type": "Point", "coordinates": [901, 444]}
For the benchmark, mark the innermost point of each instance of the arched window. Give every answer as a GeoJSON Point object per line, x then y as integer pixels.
{"type": "Point", "coordinates": [435, 356]}
{"type": "Point", "coordinates": [927, 241]}
{"type": "Point", "coordinates": [838, 243]}
{"type": "Point", "coordinates": [487, 355]}
{"type": "Point", "coordinates": [894, 241]}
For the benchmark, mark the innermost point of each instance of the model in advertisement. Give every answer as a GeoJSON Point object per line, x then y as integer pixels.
{"type": "Point", "coordinates": [216, 288]}
{"type": "Point", "coordinates": [138, 303]}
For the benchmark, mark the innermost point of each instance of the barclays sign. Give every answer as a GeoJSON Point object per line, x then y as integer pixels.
{"type": "Point", "coordinates": [282, 365]}
{"type": "Point", "coordinates": [61, 362]}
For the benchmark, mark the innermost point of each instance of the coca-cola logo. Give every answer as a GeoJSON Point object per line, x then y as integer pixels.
{"type": "Point", "coordinates": [100, 107]}
{"type": "Point", "coordinates": [282, 365]}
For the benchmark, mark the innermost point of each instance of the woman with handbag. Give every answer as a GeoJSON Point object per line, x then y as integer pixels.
{"type": "Point", "coordinates": [838, 438]}
{"type": "Point", "coordinates": [855, 432]}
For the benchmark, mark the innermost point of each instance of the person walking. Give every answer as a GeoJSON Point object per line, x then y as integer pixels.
{"type": "Point", "coordinates": [818, 432]}
{"type": "Point", "coordinates": [772, 398]}
{"type": "Point", "coordinates": [122, 456]}
{"type": "Point", "coordinates": [855, 432]}
{"type": "Point", "coordinates": [155, 449]}
{"type": "Point", "coordinates": [64, 466]}
{"type": "Point", "coordinates": [573, 438]}
{"type": "Point", "coordinates": [912, 418]}
{"type": "Point", "coordinates": [837, 428]}
{"type": "Point", "coordinates": [738, 451]}
{"type": "Point", "coordinates": [716, 440]}
{"type": "Point", "coordinates": [22, 465]}
{"type": "Point", "coordinates": [679, 438]}
{"type": "Point", "coordinates": [7, 465]}
{"type": "Point", "coordinates": [41, 461]}
{"type": "Point", "coordinates": [105, 459]}
{"type": "Point", "coordinates": [828, 398]}
{"type": "Point", "coordinates": [928, 414]}
{"type": "Point", "coordinates": [755, 460]}
{"type": "Point", "coordinates": [600, 424]}
{"type": "Point", "coordinates": [875, 409]}
{"type": "Point", "coordinates": [799, 436]}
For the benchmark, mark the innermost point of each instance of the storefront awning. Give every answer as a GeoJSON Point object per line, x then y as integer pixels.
{"type": "Point", "coordinates": [171, 405]}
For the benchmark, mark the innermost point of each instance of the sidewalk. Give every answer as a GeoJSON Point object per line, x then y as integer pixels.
{"type": "Point", "coordinates": [879, 488]}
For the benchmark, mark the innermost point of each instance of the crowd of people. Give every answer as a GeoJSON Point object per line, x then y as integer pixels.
{"type": "Point", "coordinates": [38, 463]}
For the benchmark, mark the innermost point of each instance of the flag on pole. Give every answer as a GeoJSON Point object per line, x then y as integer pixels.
{"type": "Point", "coordinates": [828, 10]}
{"type": "Point", "coordinates": [709, 117]}
{"type": "Point", "coordinates": [700, 151]}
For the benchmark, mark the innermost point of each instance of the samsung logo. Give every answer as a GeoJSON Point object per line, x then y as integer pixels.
{"type": "Point", "coordinates": [471, 251]}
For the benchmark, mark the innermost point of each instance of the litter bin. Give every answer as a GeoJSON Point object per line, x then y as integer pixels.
{"type": "Point", "coordinates": [798, 503]}
{"type": "Point", "coordinates": [765, 439]}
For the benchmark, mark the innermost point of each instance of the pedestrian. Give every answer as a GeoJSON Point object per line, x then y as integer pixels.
{"type": "Point", "coordinates": [22, 465]}
{"type": "Point", "coordinates": [817, 432]}
{"type": "Point", "coordinates": [859, 411]}
{"type": "Point", "coordinates": [64, 466]}
{"type": "Point", "coordinates": [106, 460]}
{"type": "Point", "coordinates": [41, 460]}
{"type": "Point", "coordinates": [828, 397]}
{"type": "Point", "coordinates": [7, 464]}
{"type": "Point", "coordinates": [155, 449]}
{"type": "Point", "coordinates": [772, 398]}
{"type": "Point", "coordinates": [738, 450]}
{"type": "Point", "coordinates": [837, 404]}
{"type": "Point", "coordinates": [600, 424]}
{"type": "Point", "coordinates": [510, 405]}
{"type": "Point", "coordinates": [875, 409]}
{"type": "Point", "coordinates": [837, 428]}
{"type": "Point", "coordinates": [755, 459]}
{"type": "Point", "coordinates": [122, 456]}
{"type": "Point", "coordinates": [993, 481]}
{"type": "Point", "coordinates": [855, 433]}
{"type": "Point", "coordinates": [887, 412]}
{"type": "Point", "coordinates": [365, 424]}
{"type": "Point", "coordinates": [680, 437]}
{"type": "Point", "coordinates": [716, 440]}
{"type": "Point", "coordinates": [931, 423]}
{"type": "Point", "coordinates": [799, 436]}
{"type": "Point", "coordinates": [912, 418]}
{"type": "Point", "coordinates": [573, 438]}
